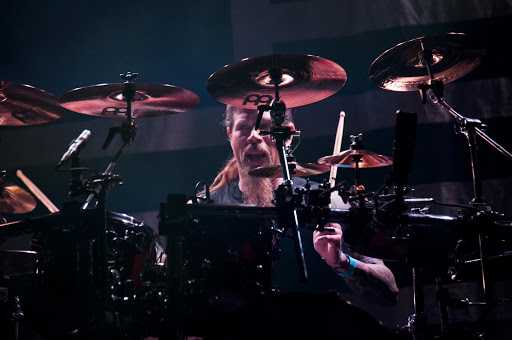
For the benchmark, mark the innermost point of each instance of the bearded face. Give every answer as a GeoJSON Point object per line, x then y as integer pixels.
{"type": "Point", "coordinates": [256, 190]}
{"type": "Point", "coordinates": [251, 150]}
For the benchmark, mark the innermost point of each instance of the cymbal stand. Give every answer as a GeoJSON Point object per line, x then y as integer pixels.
{"type": "Point", "coordinates": [16, 317]}
{"type": "Point", "coordinates": [417, 322]}
{"type": "Point", "coordinates": [287, 212]}
{"type": "Point", "coordinates": [357, 189]}
{"type": "Point", "coordinates": [127, 130]}
{"type": "Point", "coordinates": [471, 128]}
{"type": "Point", "coordinates": [356, 195]}
{"type": "Point", "coordinates": [99, 188]}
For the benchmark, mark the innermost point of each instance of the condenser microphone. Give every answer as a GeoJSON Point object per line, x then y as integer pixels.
{"type": "Point", "coordinates": [76, 145]}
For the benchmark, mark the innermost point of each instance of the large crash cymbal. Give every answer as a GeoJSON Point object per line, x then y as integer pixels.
{"type": "Point", "coordinates": [346, 159]}
{"type": "Point", "coordinates": [15, 200]}
{"type": "Point", "coordinates": [305, 79]}
{"type": "Point", "coordinates": [25, 105]}
{"type": "Point", "coordinates": [296, 170]}
{"type": "Point", "coordinates": [150, 100]}
{"type": "Point", "coordinates": [401, 68]}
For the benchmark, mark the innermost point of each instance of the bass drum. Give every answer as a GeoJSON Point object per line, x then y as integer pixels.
{"type": "Point", "coordinates": [61, 298]}
{"type": "Point", "coordinates": [303, 316]}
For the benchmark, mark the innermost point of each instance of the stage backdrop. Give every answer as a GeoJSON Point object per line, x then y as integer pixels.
{"type": "Point", "coordinates": [61, 45]}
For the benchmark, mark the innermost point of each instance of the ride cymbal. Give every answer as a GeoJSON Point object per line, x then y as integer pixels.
{"type": "Point", "coordinates": [305, 79]}
{"type": "Point", "coordinates": [346, 159]}
{"type": "Point", "coordinates": [296, 170]}
{"type": "Point", "coordinates": [25, 105]}
{"type": "Point", "coordinates": [401, 68]}
{"type": "Point", "coordinates": [150, 100]}
{"type": "Point", "coordinates": [15, 200]}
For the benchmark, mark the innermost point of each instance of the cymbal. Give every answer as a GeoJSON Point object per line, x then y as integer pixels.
{"type": "Point", "coordinates": [15, 200]}
{"type": "Point", "coordinates": [401, 69]}
{"type": "Point", "coordinates": [345, 159]}
{"type": "Point", "coordinates": [305, 79]}
{"type": "Point", "coordinates": [150, 100]}
{"type": "Point", "coordinates": [296, 170]}
{"type": "Point", "coordinates": [25, 105]}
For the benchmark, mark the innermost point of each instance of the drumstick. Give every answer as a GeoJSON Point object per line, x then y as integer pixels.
{"type": "Point", "coordinates": [38, 193]}
{"type": "Point", "coordinates": [337, 147]}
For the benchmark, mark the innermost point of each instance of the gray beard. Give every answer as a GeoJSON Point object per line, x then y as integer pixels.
{"type": "Point", "coordinates": [257, 191]}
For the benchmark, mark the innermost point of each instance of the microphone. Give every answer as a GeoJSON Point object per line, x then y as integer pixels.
{"type": "Point", "coordinates": [403, 146]}
{"type": "Point", "coordinates": [76, 145]}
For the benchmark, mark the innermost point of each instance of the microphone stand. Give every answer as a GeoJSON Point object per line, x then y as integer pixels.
{"type": "Point", "coordinates": [98, 189]}
{"type": "Point", "coordinates": [286, 210]}
{"type": "Point", "coordinates": [471, 128]}
{"type": "Point", "coordinates": [75, 185]}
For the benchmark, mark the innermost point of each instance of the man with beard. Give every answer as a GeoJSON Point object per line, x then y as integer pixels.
{"type": "Point", "coordinates": [366, 276]}
{"type": "Point", "coordinates": [230, 279]}
{"type": "Point", "coordinates": [233, 184]}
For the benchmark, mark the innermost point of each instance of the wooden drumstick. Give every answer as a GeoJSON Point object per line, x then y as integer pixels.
{"type": "Point", "coordinates": [38, 193]}
{"type": "Point", "coordinates": [337, 147]}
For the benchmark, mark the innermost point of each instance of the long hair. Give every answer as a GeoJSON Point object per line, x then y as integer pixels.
{"type": "Point", "coordinates": [229, 173]}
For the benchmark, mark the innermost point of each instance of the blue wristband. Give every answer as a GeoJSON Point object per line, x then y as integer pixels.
{"type": "Point", "coordinates": [351, 267]}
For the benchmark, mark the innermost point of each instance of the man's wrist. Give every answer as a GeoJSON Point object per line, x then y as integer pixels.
{"type": "Point", "coordinates": [333, 264]}
{"type": "Point", "coordinates": [346, 266]}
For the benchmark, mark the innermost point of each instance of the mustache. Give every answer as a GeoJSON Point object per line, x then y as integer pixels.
{"type": "Point", "coordinates": [255, 148]}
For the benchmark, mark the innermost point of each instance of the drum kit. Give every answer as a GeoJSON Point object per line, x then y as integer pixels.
{"type": "Point", "coordinates": [105, 274]}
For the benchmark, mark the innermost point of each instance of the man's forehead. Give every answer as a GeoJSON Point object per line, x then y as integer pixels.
{"type": "Point", "coordinates": [244, 114]}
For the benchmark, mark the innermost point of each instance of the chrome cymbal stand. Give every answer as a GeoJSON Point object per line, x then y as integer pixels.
{"type": "Point", "coordinates": [98, 189]}
{"type": "Point", "coordinates": [471, 128]}
{"type": "Point", "coordinates": [287, 212]}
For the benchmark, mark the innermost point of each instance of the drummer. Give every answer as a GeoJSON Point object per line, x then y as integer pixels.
{"type": "Point", "coordinates": [366, 276]}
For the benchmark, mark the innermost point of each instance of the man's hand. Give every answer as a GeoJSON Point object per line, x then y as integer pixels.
{"type": "Point", "coordinates": [371, 277]}
{"type": "Point", "coordinates": [327, 243]}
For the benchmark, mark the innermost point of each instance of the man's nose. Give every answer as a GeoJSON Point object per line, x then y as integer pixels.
{"type": "Point", "coordinates": [254, 137]}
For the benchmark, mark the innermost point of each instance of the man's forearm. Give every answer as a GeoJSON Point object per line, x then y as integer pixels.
{"type": "Point", "coordinates": [374, 281]}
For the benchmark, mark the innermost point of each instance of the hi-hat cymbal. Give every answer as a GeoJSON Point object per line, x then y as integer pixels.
{"type": "Point", "coordinates": [15, 200]}
{"type": "Point", "coordinates": [346, 159]}
{"type": "Point", "coordinates": [150, 100]}
{"type": "Point", "coordinates": [401, 68]}
{"type": "Point", "coordinates": [296, 170]}
{"type": "Point", "coordinates": [25, 105]}
{"type": "Point", "coordinates": [305, 79]}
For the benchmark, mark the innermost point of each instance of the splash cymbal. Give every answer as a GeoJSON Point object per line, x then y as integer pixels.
{"type": "Point", "coordinates": [15, 200]}
{"type": "Point", "coordinates": [346, 159]}
{"type": "Point", "coordinates": [296, 170]}
{"type": "Point", "coordinates": [150, 100]}
{"type": "Point", "coordinates": [401, 68]}
{"type": "Point", "coordinates": [25, 105]}
{"type": "Point", "coordinates": [305, 79]}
